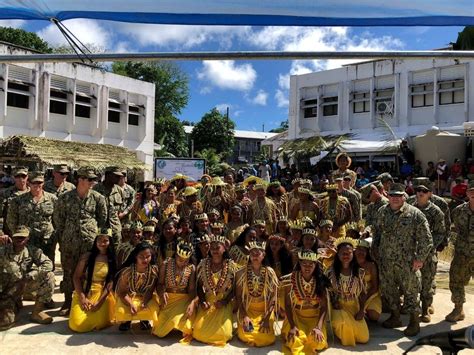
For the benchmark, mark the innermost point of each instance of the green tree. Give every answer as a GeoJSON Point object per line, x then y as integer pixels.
{"type": "Point", "coordinates": [465, 40]}
{"type": "Point", "coordinates": [283, 127]}
{"type": "Point", "coordinates": [214, 131]}
{"type": "Point", "coordinates": [171, 136]}
{"type": "Point", "coordinates": [24, 38]}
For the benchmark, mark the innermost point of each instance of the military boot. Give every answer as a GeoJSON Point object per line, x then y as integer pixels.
{"type": "Point", "coordinates": [393, 321]}
{"type": "Point", "coordinates": [425, 314]}
{"type": "Point", "coordinates": [457, 314]}
{"type": "Point", "coordinates": [414, 325]}
{"type": "Point", "coordinates": [38, 316]}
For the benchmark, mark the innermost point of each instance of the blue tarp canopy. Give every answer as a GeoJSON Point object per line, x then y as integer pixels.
{"type": "Point", "coordinates": [254, 12]}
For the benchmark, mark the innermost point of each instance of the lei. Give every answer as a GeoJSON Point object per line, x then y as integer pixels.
{"type": "Point", "coordinates": [174, 280]}
{"type": "Point", "coordinates": [208, 280]}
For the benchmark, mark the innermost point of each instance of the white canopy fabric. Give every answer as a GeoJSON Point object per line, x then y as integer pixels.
{"type": "Point", "coordinates": [250, 12]}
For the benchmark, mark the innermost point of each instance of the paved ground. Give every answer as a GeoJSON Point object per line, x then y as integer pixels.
{"type": "Point", "coordinates": [27, 338]}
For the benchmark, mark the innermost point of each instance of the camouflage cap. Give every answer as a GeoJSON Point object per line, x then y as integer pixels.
{"type": "Point", "coordinates": [338, 178]}
{"type": "Point", "coordinates": [325, 222]}
{"type": "Point", "coordinates": [421, 182]}
{"type": "Point", "coordinates": [104, 231]}
{"type": "Point", "coordinates": [20, 170]}
{"type": "Point", "coordinates": [214, 211]}
{"type": "Point", "coordinates": [397, 190]}
{"type": "Point", "coordinates": [36, 176]}
{"type": "Point", "coordinates": [470, 185]}
{"type": "Point", "coordinates": [21, 232]}
{"type": "Point", "coordinates": [377, 184]}
{"type": "Point", "coordinates": [86, 172]}
{"type": "Point", "coordinates": [114, 170]}
{"type": "Point", "coordinates": [366, 190]}
{"type": "Point", "coordinates": [60, 168]}
{"type": "Point", "coordinates": [384, 177]}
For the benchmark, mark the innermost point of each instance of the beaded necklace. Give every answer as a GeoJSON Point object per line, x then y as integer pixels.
{"type": "Point", "coordinates": [348, 287]}
{"type": "Point", "coordinates": [209, 283]}
{"type": "Point", "coordinates": [135, 278]}
{"type": "Point", "coordinates": [174, 280]}
{"type": "Point", "coordinates": [303, 291]}
{"type": "Point", "coordinates": [255, 283]}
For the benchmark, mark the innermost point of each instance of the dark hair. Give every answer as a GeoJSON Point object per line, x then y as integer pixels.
{"type": "Point", "coordinates": [111, 263]}
{"type": "Point", "coordinates": [322, 282]}
{"type": "Point", "coordinates": [132, 258]}
{"type": "Point", "coordinates": [195, 227]}
{"type": "Point", "coordinates": [313, 248]}
{"type": "Point", "coordinates": [286, 263]}
{"type": "Point", "coordinates": [337, 265]}
{"type": "Point", "coordinates": [162, 241]}
{"type": "Point", "coordinates": [287, 231]}
{"type": "Point", "coordinates": [240, 241]}
{"type": "Point", "coordinates": [184, 220]}
{"type": "Point", "coordinates": [281, 191]}
{"type": "Point", "coordinates": [197, 252]}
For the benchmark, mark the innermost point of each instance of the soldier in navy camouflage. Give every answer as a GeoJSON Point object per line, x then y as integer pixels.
{"type": "Point", "coordinates": [128, 199]}
{"type": "Point", "coordinates": [21, 186]}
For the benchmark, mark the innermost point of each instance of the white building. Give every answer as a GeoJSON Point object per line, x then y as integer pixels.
{"type": "Point", "coordinates": [410, 95]}
{"type": "Point", "coordinates": [76, 102]}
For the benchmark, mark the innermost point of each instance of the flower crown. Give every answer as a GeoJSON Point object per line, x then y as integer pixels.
{"type": "Point", "coordinates": [298, 224]}
{"type": "Point", "coordinates": [218, 239]}
{"type": "Point", "coordinates": [308, 255]}
{"type": "Point", "coordinates": [203, 238]}
{"type": "Point", "coordinates": [259, 222]}
{"type": "Point", "coordinates": [217, 225]}
{"type": "Point", "coordinates": [184, 249]}
{"type": "Point", "coordinates": [309, 231]}
{"type": "Point", "coordinates": [200, 216]}
{"type": "Point", "coordinates": [355, 225]}
{"type": "Point", "coordinates": [255, 245]}
{"type": "Point", "coordinates": [345, 240]}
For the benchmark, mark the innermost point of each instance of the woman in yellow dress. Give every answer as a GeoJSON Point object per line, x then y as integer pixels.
{"type": "Point", "coordinates": [282, 228]}
{"type": "Point", "coordinates": [277, 256]}
{"type": "Point", "coordinates": [235, 226]}
{"type": "Point", "coordinates": [203, 247]}
{"type": "Point", "coordinates": [256, 294]}
{"type": "Point", "coordinates": [304, 328]}
{"type": "Point", "coordinates": [177, 291]}
{"type": "Point", "coordinates": [136, 283]}
{"type": "Point", "coordinates": [326, 248]}
{"type": "Point", "coordinates": [215, 289]}
{"type": "Point", "coordinates": [238, 253]}
{"type": "Point", "coordinates": [306, 207]}
{"type": "Point", "coordinates": [136, 236]}
{"type": "Point", "coordinates": [146, 205]}
{"type": "Point", "coordinates": [348, 295]}
{"type": "Point", "coordinates": [167, 242]}
{"type": "Point", "coordinates": [92, 300]}
{"type": "Point", "coordinates": [168, 204]}
{"type": "Point", "coordinates": [373, 303]}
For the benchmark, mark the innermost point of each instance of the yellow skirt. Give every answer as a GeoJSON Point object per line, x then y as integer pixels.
{"type": "Point", "coordinates": [255, 312]}
{"type": "Point", "coordinates": [122, 311]}
{"type": "Point", "coordinates": [173, 316]}
{"type": "Point", "coordinates": [374, 303]}
{"type": "Point", "coordinates": [305, 343]}
{"type": "Point", "coordinates": [86, 321]}
{"type": "Point", "coordinates": [346, 328]}
{"type": "Point", "coordinates": [213, 326]}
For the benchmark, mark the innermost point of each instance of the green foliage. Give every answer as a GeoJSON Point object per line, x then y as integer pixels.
{"type": "Point", "coordinates": [214, 131]}
{"type": "Point", "coordinates": [169, 133]}
{"type": "Point", "coordinates": [212, 159]}
{"type": "Point", "coordinates": [24, 38]}
{"type": "Point", "coordinates": [283, 127]}
{"type": "Point", "coordinates": [465, 40]}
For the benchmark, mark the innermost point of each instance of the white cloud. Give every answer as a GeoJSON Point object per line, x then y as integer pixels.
{"type": "Point", "coordinates": [12, 23]}
{"type": "Point", "coordinates": [281, 98]}
{"type": "Point", "coordinates": [89, 32]}
{"type": "Point", "coordinates": [222, 108]}
{"type": "Point", "coordinates": [225, 74]}
{"type": "Point", "coordinates": [260, 98]}
{"type": "Point", "coordinates": [237, 113]}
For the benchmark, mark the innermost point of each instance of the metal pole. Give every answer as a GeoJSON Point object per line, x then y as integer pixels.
{"type": "Point", "coordinates": [241, 55]}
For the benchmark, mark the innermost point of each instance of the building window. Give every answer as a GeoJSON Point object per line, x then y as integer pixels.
{"type": "Point", "coordinates": [361, 102]}
{"type": "Point", "coordinates": [18, 95]}
{"type": "Point", "coordinates": [83, 106]}
{"type": "Point", "coordinates": [451, 92]}
{"type": "Point", "coordinates": [133, 115]}
{"type": "Point", "coordinates": [114, 112]}
{"type": "Point", "coordinates": [310, 108]}
{"type": "Point", "coordinates": [422, 95]}
{"type": "Point", "coordinates": [58, 101]}
{"type": "Point", "coordinates": [330, 106]}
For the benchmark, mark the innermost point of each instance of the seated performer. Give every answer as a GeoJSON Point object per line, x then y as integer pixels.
{"type": "Point", "coordinates": [136, 283]}
{"type": "Point", "coordinates": [92, 300]}
{"type": "Point", "coordinates": [256, 292]}
{"type": "Point", "coordinates": [238, 252]}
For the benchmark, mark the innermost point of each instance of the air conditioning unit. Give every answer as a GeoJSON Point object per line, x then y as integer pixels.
{"type": "Point", "coordinates": [384, 107]}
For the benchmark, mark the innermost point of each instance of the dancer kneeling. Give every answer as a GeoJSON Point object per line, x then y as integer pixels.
{"type": "Point", "coordinates": [92, 301]}
{"type": "Point", "coordinates": [256, 294]}
{"type": "Point", "coordinates": [135, 288]}
{"type": "Point", "coordinates": [177, 290]}
{"type": "Point", "coordinates": [215, 280]}
{"type": "Point", "coordinates": [348, 295]}
{"type": "Point", "coordinates": [304, 329]}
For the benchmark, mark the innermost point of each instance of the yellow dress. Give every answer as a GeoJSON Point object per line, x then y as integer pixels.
{"type": "Point", "coordinates": [238, 256]}
{"type": "Point", "coordinates": [257, 295]}
{"type": "Point", "coordinates": [349, 330]}
{"type": "Point", "coordinates": [214, 325]}
{"type": "Point", "coordinates": [233, 233]}
{"type": "Point", "coordinates": [306, 313]}
{"type": "Point", "coordinates": [85, 321]}
{"type": "Point", "coordinates": [374, 302]}
{"type": "Point", "coordinates": [143, 283]}
{"type": "Point", "coordinates": [173, 315]}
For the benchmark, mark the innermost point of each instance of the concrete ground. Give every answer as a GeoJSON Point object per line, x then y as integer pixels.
{"type": "Point", "coordinates": [29, 338]}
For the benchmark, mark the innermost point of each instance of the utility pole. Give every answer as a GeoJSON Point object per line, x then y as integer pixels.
{"type": "Point", "coordinates": [263, 127]}
{"type": "Point", "coordinates": [227, 112]}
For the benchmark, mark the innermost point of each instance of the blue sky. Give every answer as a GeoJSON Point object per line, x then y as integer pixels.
{"type": "Point", "coordinates": [256, 92]}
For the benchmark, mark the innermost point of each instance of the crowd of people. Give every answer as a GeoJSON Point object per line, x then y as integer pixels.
{"type": "Point", "coordinates": [220, 258]}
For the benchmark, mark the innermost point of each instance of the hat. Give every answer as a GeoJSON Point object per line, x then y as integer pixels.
{"type": "Point", "coordinates": [256, 245]}
{"type": "Point", "coordinates": [200, 216]}
{"type": "Point", "coordinates": [152, 189]}
{"type": "Point", "coordinates": [218, 239]}
{"type": "Point", "coordinates": [159, 181]}
{"type": "Point", "coordinates": [184, 249]}
{"type": "Point", "coordinates": [151, 221]}
{"type": "Point", "coordinates": [338, 178]}
{"type": "Point", "coordinates": [385, 177]}
{"type": "Point", "coordinates": [239, 188]}
{"type": "Point", "coordinates": [214, 211]}
{"type": "Point", "coordinates": [298, 224]}
{"type": "Point", "coordinates": [309, 231]}
{"type": "Point", "coordinates": [126, 226]}
{"type": "Point", "coordinates": [366, 190]}
{"type": "Point", "coordinates": [206, 176]}
{"type": "Point", "coordinates": [252, 180]}
{"type": "Point", "coordinates": [275, 183]}
{"type": "Point", "coordinates": [21, 232]}
{"type": "Point", "coordinates": [441, 160]}
{"type": "Point", "coordinates": [347, 177]}
{"type": "Point", "coordinates": [179, 177]}
{"type": "Point", "coordinates": [345, 240]}
{"type": "Point", "coordinates": [36, 176]}
{"type": "Point", "coordinates": [343, 154]}
{"type": "Point", "coordinates": [397, 190]}
{"type": "Point", "coordinates": [20, 170]}
{"type": "Point", "coordinates": [217, 181]}
{"type": "Point", "coordinates": [470, 185]}
{"type": "Point", "coordinates": [296, 181]}
{"type": "Point", "coordinates": [308, 255]}
{"type": "Point", "coordinates": [104, 231]}
{"type": "Point", "coordinates": [377, 184]}
{"type": "Point", "coordinates": [189, 191]}
{"type": "Point", "coordinates": [60, 168]}
{"type": "Point", "coordinates": [325, 222]}
{"type": "Point", "coordinates": [114, 170]}
{"type": "Point", "coordinates": [365, 243]}
{"type": "Point", "coordinates": [137, 225]}
{"type": "Point", "coordinates": [258, 187]}
{"type": "Point", "coordinates": [422, 182]}
{"type": "Point", "coordinates": [303, 190]}
{"type": "Point", "coordinates": [86, 172]}
{"type": "Point", "coordinates": [203, 238]}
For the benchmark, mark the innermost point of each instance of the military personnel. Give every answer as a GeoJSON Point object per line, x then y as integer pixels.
{"type": "Point", "coordinates": [21, 177]}
{"type": "Point", "coordinates": [462, 266]}
{"type": "Point", "coordinates": [402, 241]}
{"type": "Point", "coordinates": [128, 199]}
{"type": "Point", "coordinates": [371, 194]}
{"type": "Point", "coordinates": [351, 196]}
{"type": "Point", "coordinates": [34, 209]}
{"type": "Point", "coordinates": [387, 180]}
{"type": "Point", "coordinates": [77, 216]}
{"type": "Point", "coordinates": [357, 207]}
{"type": "Point", "coordinates": [435, 218]}
{"type": "Point", "coordinates": [113, 194]}
{"type": "Point", "coordinates": [23, 268]}
{"type": "Point", "coordinates": [58, 184]}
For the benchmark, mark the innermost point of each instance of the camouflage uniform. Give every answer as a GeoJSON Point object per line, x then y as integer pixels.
{"type": "Point", "coordinates": [77, 221]}
{"type": "Point", "coordinates": [462, 266]}
{"type": "Point", "coordinates": [400, 238]}
{"type": "Point", "coordinates": [128, 202]}
{"type": "Point", "coordinates": [38, 217]}
{"type": "Point", "coordinates": [354, 201]}
{"type": "Point", "coordinates": [58, 191]}
{"type": "Point", "coordinates": [372, 209]}
{"type": "Point", "coordinates": [438, 231]}
{"type": "Point", "coordinates": [26, 271]}
{"type": "Point", "coordinates": [5, 198]}
{"type": "Point", "coordinates": [114, 200]}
